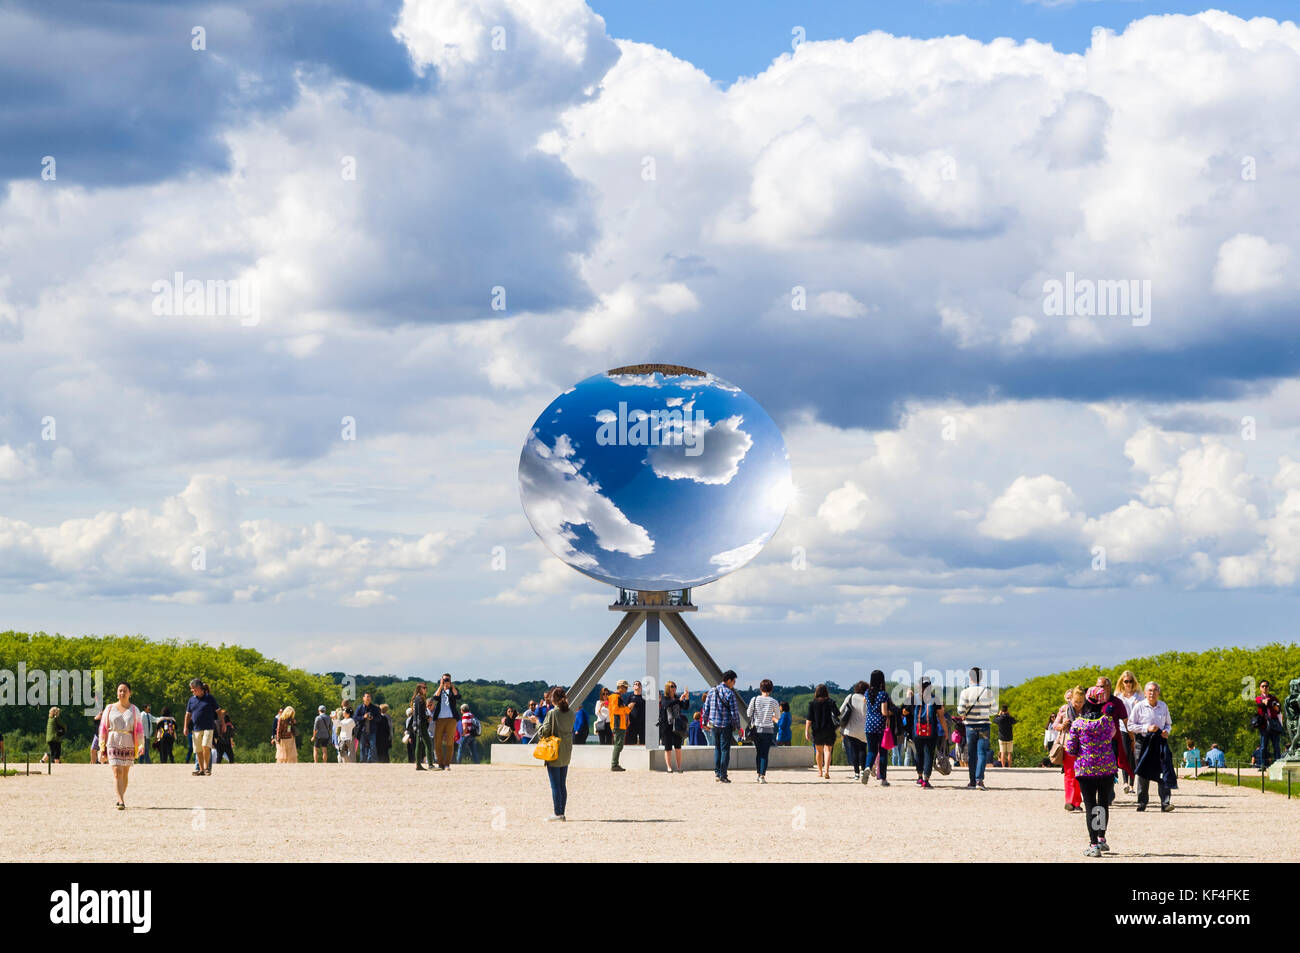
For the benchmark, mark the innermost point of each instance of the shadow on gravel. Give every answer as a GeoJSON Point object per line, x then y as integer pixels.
{"type": "Point", "coordinates": [230, 809]}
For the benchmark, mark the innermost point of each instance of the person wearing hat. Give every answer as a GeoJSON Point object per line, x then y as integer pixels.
{"type": "Point", "coordinates": [1089, 741]}
{"type": "Point", "coordinates": [618, 713]}
{"type": "Point", "coordinates": [321, 731]}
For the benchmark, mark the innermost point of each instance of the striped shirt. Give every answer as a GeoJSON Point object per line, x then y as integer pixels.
{"type": "Point", "coordinates": [763, 711]}
{"type": "Point", "coordinates": [720, 709]}
{"type": "Point", "coordinates": [976, 705]}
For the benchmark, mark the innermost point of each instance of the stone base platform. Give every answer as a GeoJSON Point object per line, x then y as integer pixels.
{"type": "Point", "coordinates": [639, 758]}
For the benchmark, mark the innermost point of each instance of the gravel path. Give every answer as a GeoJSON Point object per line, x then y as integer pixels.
{"type": "Point", "coordinates": [304, 812]}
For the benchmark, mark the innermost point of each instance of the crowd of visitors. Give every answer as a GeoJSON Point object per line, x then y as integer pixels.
{"type": "Point", "coordinates": [1100, 737]}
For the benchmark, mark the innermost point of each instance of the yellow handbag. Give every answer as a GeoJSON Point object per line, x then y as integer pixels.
{"type": "Point", "coordinates": [547, 749]}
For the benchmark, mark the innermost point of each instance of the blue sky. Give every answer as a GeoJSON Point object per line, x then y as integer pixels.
{"type": "Point", "coordinates": [441, 215]}
{"type": "Point", "coordinates": [732, 38]}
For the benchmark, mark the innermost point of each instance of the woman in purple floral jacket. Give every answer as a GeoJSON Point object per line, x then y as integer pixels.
{"type": "Point", "coordinates": [1089, 741]}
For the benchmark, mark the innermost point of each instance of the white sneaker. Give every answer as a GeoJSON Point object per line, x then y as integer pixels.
{"type": "Point", "coordinates": [557, 817]}
{"type": "Point", "coordinates": [761, 779]}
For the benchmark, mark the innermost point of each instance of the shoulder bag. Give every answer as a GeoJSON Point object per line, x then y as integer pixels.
{"type": "Point", "coordinates": [547, 749]}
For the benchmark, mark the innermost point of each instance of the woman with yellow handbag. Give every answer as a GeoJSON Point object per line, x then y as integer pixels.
{"type": "Point", "coordinates": [555, 746]}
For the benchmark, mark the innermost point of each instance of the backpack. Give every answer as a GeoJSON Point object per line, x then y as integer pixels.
{"type": "Point", "coordinates": [475, 729]}
{"type": "Point", "coordinates": [923, 715]}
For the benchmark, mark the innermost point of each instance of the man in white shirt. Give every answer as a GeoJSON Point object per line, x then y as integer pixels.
{"type": "Point", "coordinates": [1149, 719]}
{"type": "Point", "coordinates": [975, 706]}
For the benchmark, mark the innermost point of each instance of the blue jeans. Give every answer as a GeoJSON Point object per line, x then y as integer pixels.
{"type": "Point", "coordinates": [468, 746]}
{"type": "Point", "coordinates": [856, 753]}
{"type": "Point", "coordinates": [559, 792]}
{"type": "Point", "coordinates": [924, 757]}
{"type": "Point", "coordinates": [721, 750]}
{"type": "Point", "coordinates": [762, 747]}
{"type": "Point", "coordinates": [1264, 737]}
{"type": "Point", "coordinates": [874, 738]}
{"type": "Point", "coordinates": [977, 750]}
{"type": "Point", "coordinates": [369, 754]}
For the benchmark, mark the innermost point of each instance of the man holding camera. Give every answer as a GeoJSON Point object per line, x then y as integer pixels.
{"type": "Point", "coordinates": [446, 713]}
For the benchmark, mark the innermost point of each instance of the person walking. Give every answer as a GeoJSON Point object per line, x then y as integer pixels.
{"type": "Point", "coordinates": [431, 709]}
{"type": "Point", "coordinates": [636, 716]}
{"type": "Point", "coordinates": [1151, 725]}
{"type": "Point", "coordinates": [819, 728]}
{"type": "Point", "coordinates": [165, 736]}
{"type": "Point", "coordinates": [581, 726]}
{"type": "Point", "coordinates": [957, 739]}
{"type": "Point", "coordinates": [1089, 741]}
{"type": "Point", "coordinates": [975, 706]}
{"type": "Point", "coordinates": [1268, 722]}
{"type": "Point", "coordinates": [384, 737]}
{"type": "Point", "coordinates": [783, 726]}
{"type": "Point", "coordinates": [763, 713]}
{"type": "Point", "coordinates": [722, 716]}
{"type": "Point", "coordinates": [929, 727]}
{"type": "Point", "coordinates": [420, 723]}
{"type": "Point", "coordinates": [470, 729]}
{"type": "Point", "coordinates": [1065, 716]}
{"type": "Point", "coordinates": [446, 707]}
{"type": "Point", "coordinates": [121, 733]}
{"type": "Point", "coordinates": [367, 719]}
{"type": "Point", "coordinates": [286, 737]}
{"type": "Point", "coordinates": [603, 731]}
{"type": "Point", "coordinates": [1128, 693]}
{"type": "Point", "coordinates": [54, 732]}
{"type": "Point", "coordinates": [901, 754]}
{"type": "Point", "coordinates": [673, 723]}
{"type": "Point", "coordinates": [150, 722]}
{"type": "Point", "coordinates": [201, 719]}
{"type": "Point", "coordinates": [618, 714]}
{"type": "Point", "coordinates": [558, 724]}
{"type": "Point", "coordinates": [875, 716]}
{"type": "Point", "coordinates": [1006, 727]}
{"type": "Point", "coordinates": [853, 727]}
{"type": "Point", "coordinates": [223, 738]}
{"type": "Point", "coordinates": [345, 727]}
{"type": "Point", "coordinates": [1114, 709]}
{"type": "Point", "coordinates": [322, 731]}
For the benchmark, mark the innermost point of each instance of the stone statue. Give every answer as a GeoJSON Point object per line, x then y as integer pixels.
{"type": "Point", "coordinates": [1291, 717]}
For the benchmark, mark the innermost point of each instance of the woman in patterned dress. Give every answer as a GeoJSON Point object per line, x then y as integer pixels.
{"type": "Point", "coordinates": [121, 735]}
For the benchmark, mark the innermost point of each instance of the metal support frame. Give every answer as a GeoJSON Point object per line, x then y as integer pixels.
{"type": "Point", "coordinates": [596, 669]}
{"type": "Point", "coordinates": [697, 653]}
{"type": "Point", "coordinates": [620, 638]}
